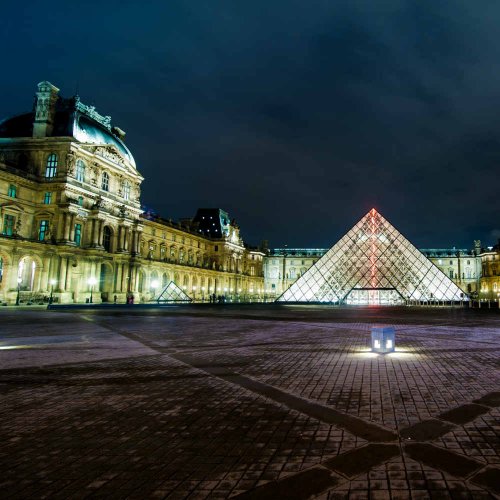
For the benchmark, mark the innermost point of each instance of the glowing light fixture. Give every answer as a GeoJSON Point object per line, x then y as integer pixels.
{"type": "Point", "coordinates": [383, 339]}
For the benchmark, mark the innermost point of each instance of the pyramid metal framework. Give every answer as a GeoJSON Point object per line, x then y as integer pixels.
{"type": "Point", "coordinates": [172, 293]}
{"type": "Point", "coordinates": [373, 264]}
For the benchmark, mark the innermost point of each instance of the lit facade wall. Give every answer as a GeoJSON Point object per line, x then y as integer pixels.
{"type": "Point", "coordinates": [490, 279]}
{"type": "Point", "coordinates": [70, 212]}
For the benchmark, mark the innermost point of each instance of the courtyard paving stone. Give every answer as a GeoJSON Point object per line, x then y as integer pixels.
{"type": "Point", "coordinates": [252, 401]}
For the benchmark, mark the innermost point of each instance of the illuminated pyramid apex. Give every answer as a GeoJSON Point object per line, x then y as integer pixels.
{"type": "Point", "coordinates": [373, 264]}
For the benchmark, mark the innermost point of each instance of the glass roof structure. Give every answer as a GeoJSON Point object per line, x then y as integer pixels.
{"type": "Point", "coordinates": [172, 293]}
{"type": "Point", "coordinates": [373, 264]}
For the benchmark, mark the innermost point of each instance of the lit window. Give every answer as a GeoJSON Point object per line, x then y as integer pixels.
{"type": "Point", "coordinates": [78, 234]}
{"type": "Point", "coordinates": [8, 224]}
{"type": "Point", "coordinates": [388, 344]}
{"type": "Point", "coordinates": [80, 201]}
{"type": "Point", "coordinates": [126, 190]}
{"type": "Point", "coordinates": [51, 168]}
{"type": "Point", "coordinates": [80, 171]}
{"type": "Point", "coordinates": [43, 230]}
{"type": "Point", "coordinates": [47, 198]}
{"type": "Point", "coordinates": [376, 344]}
{"type": "Point", "coordinates": [105, 181]}
{"type": "Point", "coordinates": [12, 191]}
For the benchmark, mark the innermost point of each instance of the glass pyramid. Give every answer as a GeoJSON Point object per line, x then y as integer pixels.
{"type": "Point", "coordinates": [373, 264]}
{"type": "Point", "coordinates": [172, 293]}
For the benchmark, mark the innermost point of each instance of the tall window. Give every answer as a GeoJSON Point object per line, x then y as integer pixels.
{"type": "Point", "coordinates": [8, 224]}
{"type": "Point", "coordinates": [105, 181]}
{"type": "Point", "coordinates": [106, 239]}
{"type": "Point", "coordinates": [126, 190]}
{"type": "Point", "coordinates": [1, 269]}
{"type": "Point", "coordinates": [12, 191]}
{"type": "Point", "coordinates": [78, 234]}
{"type": "Point", "coordinates": [47, 198]}
{"type": "Point", "coordinates": [80, 171]}
{"type": "Point", "coordinates": [450, 271]}
{"type": "Point", "coordinates": [51, 168]}
{"type": "Point", "coordinates": [43, 230]}
{"type": "Point", "coordinates": [80, 201]}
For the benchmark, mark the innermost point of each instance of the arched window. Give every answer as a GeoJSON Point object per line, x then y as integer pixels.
{"type": "Point", "coordinates": [51, 167]}
{"type": "Point", "coordinates": [164, 280]}
{"type": "Point", "coordinates": [80, 171]}
{"type": "Point", "coordinates": [105, 181]}
{"type": "Point", "coordinates": [106, 238]}
{"type": "Point", "coordinates": [292, 273]}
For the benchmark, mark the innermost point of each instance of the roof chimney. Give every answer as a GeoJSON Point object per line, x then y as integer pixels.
{"type": "Point", "coordinates": [45, 107]}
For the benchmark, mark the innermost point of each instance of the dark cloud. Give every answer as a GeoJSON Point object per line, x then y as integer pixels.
{"type": "Point", "coordinates": [297, 117]}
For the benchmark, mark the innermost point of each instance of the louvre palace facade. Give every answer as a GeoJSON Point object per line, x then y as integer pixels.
{"type": "Point", "coordinates": [73, 227]}
{"type": "Point", "coordinates": [73, 230]}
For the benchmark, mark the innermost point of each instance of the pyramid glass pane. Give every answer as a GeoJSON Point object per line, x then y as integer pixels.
{"type": "Point", "coordinates": [172, 293]}
{"type": "Point", "coordinates": [373, 264]}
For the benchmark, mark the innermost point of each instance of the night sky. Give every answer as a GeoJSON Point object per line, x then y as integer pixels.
{"type": "Point", "coordinates": [295, 116]}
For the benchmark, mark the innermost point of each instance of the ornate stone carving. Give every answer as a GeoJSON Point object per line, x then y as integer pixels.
{"type": "Point", "coordinates": [98, 203]}
{"type": "Point", "coordinates": [42, 108]}
{"type": "Point", "coordinates": [92, 113]}
{"type": "Point", "coordinates": [70, 164]}
{"type": "Point", "coordinates": [109, 153]}
{"type": "Point", "coordinates": [122, 211]}
{"type": "Point", "coordinates": [94, 170]}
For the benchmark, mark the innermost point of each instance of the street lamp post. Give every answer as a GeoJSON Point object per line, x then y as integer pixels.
{"type": "Point", "coordinates": [18, 290]}
{"type": "Point", "coordinates": [51, 298]}
{"type": "Point", "coordinates": [91, 282]}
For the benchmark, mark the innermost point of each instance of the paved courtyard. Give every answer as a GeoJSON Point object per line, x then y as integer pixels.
{"type": "Point", "coordinates": [263, 402]}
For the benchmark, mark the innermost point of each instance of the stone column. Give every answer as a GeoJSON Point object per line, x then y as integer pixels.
{"type": "Point", "coordinates": [119, 246]}
{"type": "Point", "coordinates": [44, 278]}
{"type": "Point", "coordinates": [71, 227]}
{"type": "Point", "coordinates": [101, 232]}
{"type": "Point", "coordinates": [95, 232]}
{"type": "Point", "coordinates": [123, 237]}
{"type": "Point", "coordinates": [63, 266]}
{"type": "Point", "coordinates": [66, 227]}
{"type": "Point", "coordinates": [118, 277]}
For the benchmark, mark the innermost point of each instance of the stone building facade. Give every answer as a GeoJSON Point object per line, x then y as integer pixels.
{"type": "Point", "coordinates": [71, 223]}
{"type": "Point", "coordinates": [490, 274]}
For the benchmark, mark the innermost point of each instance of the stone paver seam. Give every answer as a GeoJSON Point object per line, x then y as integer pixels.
{"type": "Point", "coordinates": [139, 339]}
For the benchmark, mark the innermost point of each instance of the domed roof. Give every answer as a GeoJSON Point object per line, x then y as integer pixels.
{"type": "Point", "coordinates": [71, 119]}
{"type": "Point", "coordinates": [89, 131]}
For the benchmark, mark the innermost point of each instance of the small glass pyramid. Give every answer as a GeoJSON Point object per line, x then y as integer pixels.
{"type": "Point", "coordinates": [373, 264]}
{"type": "Point", "coordinates": [172, 293]}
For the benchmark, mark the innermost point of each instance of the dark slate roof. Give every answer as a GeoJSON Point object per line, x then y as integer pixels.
{"type": "Point", "coordinates": [69, 121]}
